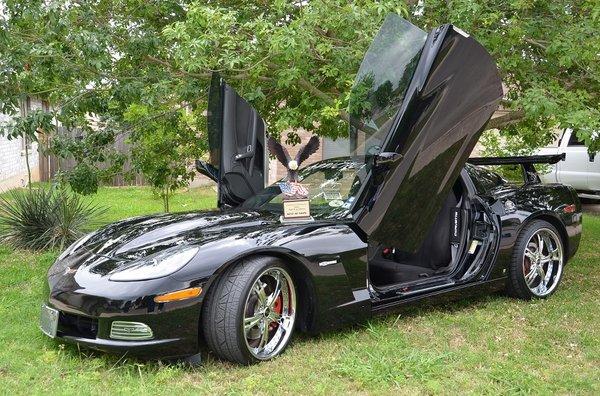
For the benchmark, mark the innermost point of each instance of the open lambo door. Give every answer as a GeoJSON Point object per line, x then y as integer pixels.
{"type": "Point", "coordinates": [236, 135]}
{"type": "Point", "coordinates": [418, 106]}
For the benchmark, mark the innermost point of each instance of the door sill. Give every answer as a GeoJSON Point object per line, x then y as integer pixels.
{"type": "Point", "coordinates": [415, 287]}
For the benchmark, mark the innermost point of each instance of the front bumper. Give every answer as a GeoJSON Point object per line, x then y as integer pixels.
{"type": "Point", "coordinates": [175, 331]}
{"type": "Point", "coordinates": [151, 349]}
{"type": "Point", "coordinates": [88, 304]}
{"type": "Point", "coordinates": [87, 319]}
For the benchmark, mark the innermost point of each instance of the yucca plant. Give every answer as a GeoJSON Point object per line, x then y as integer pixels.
{"type": "Point", "coordinates": [44, 218]}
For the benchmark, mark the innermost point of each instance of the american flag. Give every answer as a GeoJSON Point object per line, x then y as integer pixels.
{"type": "Point", "coordinates": [293, 189]}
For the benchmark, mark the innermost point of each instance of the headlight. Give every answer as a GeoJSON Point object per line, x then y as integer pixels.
{"type": "Point", "coordinates": [74, 246]}
{"type": "Point", "coordinates": [155, 266]}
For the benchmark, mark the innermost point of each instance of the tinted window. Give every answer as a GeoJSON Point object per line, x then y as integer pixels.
{"type": "Point", "coordinates": [214, 118]}
{"type": "Point", "coordinates": [484, 179]}
{"type": "Point", "coordinates": [381, 83]}
{"type": "Point", "coordinates": [574, 141]}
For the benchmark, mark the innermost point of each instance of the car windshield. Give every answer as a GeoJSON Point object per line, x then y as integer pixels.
{"type": "Point", "coordinates": [332, 188]}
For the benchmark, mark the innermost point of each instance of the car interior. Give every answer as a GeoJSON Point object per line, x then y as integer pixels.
{"type": "Point", "coordinates": [437, 256]}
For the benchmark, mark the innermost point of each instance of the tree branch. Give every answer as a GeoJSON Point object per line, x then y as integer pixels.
{"type": "Point", "coordinates": [508, 118]}
{"type": "Point", "coordinates": [535, 43]}
{"type": "Point", "coordinates": [204, 75]}
{"type": "Point", "coordinates": [307, 85]}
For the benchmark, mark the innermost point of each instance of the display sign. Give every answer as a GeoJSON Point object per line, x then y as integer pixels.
{"type": "Point", "coordinates": [296, 209]}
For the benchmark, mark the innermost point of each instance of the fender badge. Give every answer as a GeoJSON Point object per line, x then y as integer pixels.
{"type": "Point", "coordinates": [326, 263]}
{"type": "Point", "coordinates": [510, 206]}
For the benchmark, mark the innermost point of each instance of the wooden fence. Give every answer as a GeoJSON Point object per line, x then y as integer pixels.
{"type": "Point", "coordinates": [50, 165]}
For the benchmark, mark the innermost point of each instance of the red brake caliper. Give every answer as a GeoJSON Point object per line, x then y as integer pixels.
{"type": "Point", "coordinates": [526, 265]}
{"type": "Point", "coordinates": [277, 307]}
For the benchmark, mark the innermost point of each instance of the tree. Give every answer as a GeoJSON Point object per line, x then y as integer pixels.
{"type": "Point", "coordinates": [547, 52]}
{"type": "Point", "coordinates": [294, 60]}
{"type": "Point", "coordinates": [85, 59]}
{"type": "Point", "coordinates": [96, 158]}
{"type": "Point", "coordinates": [308, 61]}
{"type": "Point", "coordinates": [161, 149]}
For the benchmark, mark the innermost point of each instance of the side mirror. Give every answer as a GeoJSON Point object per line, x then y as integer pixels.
{"type": "Point", "coordinates": [382, 163]}
{"type": "Point", "coordinates": [592, 156]}
{"type": "Point", "coordinates": [207, 170]}
{"type": "Point", "coordinates": [386, 160]}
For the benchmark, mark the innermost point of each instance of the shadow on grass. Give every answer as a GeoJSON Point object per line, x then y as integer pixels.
{"type": "Point", "coordinates": [130, 362]}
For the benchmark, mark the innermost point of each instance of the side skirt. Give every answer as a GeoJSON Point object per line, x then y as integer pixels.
{"type": "Point", "coordinates": [439, 296]}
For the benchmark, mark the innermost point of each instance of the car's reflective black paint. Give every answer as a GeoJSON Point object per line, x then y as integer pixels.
{"type": "Point", "coordinates": [332, 295]}
{"type": "Point", "coordinates": [435, 130]}
{"type": "Point", "coordinates": [454, 91]}
{"type": "Point", "coordinates": [335, 293]}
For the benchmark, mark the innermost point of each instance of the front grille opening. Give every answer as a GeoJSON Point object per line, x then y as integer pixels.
{"type": "Point", "coordinates": [77, 326]}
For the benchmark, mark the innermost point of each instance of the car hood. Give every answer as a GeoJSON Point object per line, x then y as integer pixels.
{"type": "Point", "coordinates": [117, 245]}
{"type": "Point", "coordinates": [138, 237]}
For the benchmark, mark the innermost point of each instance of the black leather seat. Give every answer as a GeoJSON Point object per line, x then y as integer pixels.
{"type": "Point", "coordinates": [434, 255]}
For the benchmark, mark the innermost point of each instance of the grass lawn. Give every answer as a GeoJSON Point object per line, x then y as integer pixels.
{"type": "Point", "coordinates": [123, 202]}
{"type": "Point", "coordinates": [492, 344]}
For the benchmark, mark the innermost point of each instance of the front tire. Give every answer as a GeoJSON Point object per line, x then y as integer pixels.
{"type": "Point", "coordinates": [249, 313]}
{"type": "Point", "coordinates": [537, 263]}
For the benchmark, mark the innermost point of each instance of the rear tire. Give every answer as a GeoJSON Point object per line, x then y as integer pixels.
{"type": "Point", "coordinates": [249, 312]}
{"type": "Point", "coordinates": [537, 262]}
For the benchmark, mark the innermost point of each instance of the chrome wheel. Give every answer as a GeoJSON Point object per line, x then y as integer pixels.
{"type": "Point", "coordinates": [543, 262]}
{"type": "Point", "coordinates": [269, 313]}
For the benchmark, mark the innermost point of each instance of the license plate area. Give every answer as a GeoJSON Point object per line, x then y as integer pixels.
{"type": "Point", "coordinates": [49, 321]}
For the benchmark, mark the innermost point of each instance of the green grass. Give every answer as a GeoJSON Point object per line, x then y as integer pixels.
{"type": "Point", "coordinates": [123, 202]}
{"type": "Point", "coordinates": [490, 345]}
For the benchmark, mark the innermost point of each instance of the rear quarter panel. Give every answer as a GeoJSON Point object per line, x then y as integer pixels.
{"type": "Point", "coordinates": [536, 201]}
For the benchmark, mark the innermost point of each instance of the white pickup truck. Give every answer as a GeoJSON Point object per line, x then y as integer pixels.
{"type": "Point", "coordinates": [580, 169]}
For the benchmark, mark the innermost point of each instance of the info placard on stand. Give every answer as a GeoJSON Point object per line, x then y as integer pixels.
{"type": "Point", "coordinates": [296, 209]}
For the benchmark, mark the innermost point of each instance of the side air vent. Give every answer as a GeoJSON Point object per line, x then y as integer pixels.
{"type": "Point", "coordinates": [130, 331]}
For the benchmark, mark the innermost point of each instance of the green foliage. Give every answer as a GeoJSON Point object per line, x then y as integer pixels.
{"type": "Point", "coordinates": [28, 126]}
{"type": "Point", "coordinates": [547, 52]}
{"type": "Point", "coordinates": [295, 61]}
{"type": "Point", "coordinates": [162, 149]}
{"type": "Point", "coordinates": [42, 218]}
{"type": "Point", "coordinates": [303, 58]}
{"type": "Point", "coordinates": [83, 179]}
{"type": "Point", "coordinates": [95, 155]}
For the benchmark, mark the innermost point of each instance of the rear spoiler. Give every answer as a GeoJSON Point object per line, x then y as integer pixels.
{"type": "Point", "coordinates": [527, 163]}
{"type": "Point", "coordinates": [519, 160]}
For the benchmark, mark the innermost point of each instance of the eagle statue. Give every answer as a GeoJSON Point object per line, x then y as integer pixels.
{"type": "Point", "coordinates": [283, 156]}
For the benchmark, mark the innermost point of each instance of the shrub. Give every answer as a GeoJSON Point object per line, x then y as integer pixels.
{"type": "Point", "coordinates": [83, 179]}
{"type": "Point", "coordinates": [43, 218]}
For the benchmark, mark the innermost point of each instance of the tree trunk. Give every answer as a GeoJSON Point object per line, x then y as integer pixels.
{"type": "Point", "coordinates": [166, 200]}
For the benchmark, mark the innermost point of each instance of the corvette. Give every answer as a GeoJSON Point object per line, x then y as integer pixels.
{"type": "Point", "coordinates": [403, 217]}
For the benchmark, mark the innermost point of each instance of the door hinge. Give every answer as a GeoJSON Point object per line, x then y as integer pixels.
{"type": "Point", "coordinates": [480, 230]}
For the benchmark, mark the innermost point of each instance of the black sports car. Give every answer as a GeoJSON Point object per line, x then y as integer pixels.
{"type": "Point", "coordinates": [402, 217]}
